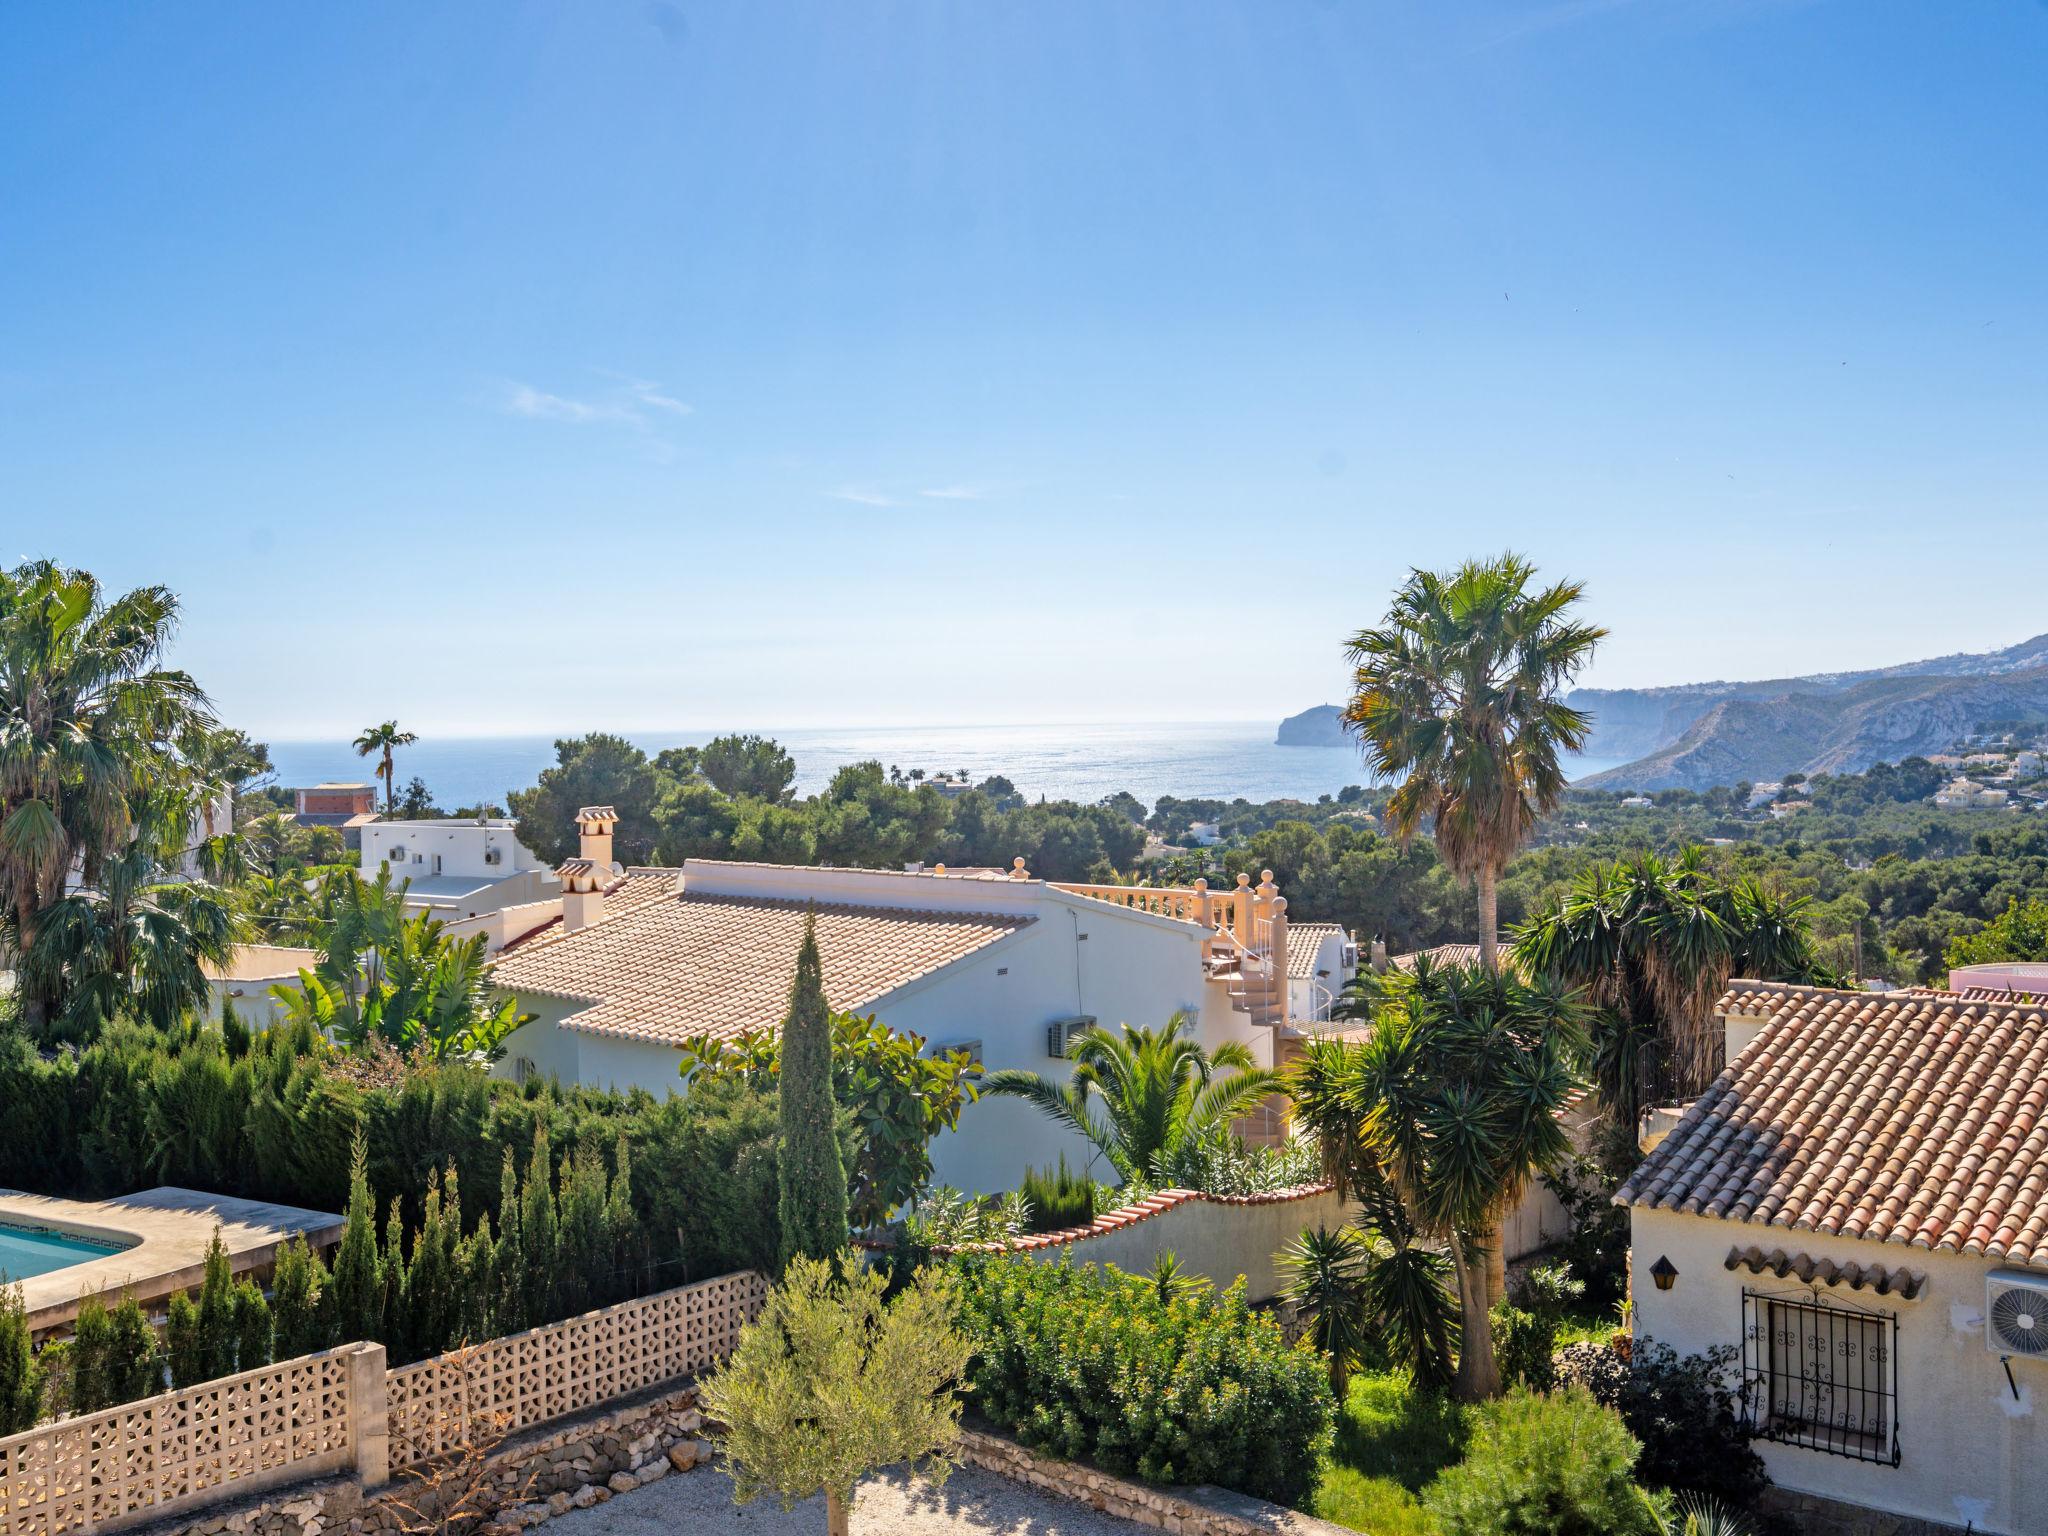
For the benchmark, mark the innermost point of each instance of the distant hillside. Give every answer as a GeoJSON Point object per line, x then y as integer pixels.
{"type": "Point", "coordinates": [1322, 726]}
{"type": "Point", "coordinates": [1819, 726]}
{"type": "Point", "coordinates": [1641, 722]}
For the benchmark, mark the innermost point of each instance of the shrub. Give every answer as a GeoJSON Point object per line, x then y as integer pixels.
{"type": "Point", "coordinates": [1089, 1364]}
{"type": "Point", "coordinates": [298, 1287]}
{"type": "Point", "coordinates": [91, 1341]}
{"type": "Point", "coordinates": [1684, 1411]}
{"type": "Point", "coordinates": [135, 1366]}
{"type": "Point", "coordinates": [254, 1334]}
{"type": "Point", "coordinates": [1522, 1343]}
{"type": "Point", "coordinates": [1544, 1465]}
{"type": "Point", "coordinates": [1058, 1198]}
{"type": "Point", "coordinates": [183, 1344]}
{"type": "Point", "coordinates": [1223, 1164]}
{"type": "Point", "coordinates": [216, 1344]}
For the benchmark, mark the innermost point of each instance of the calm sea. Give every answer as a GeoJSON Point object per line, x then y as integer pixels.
{"type": "Point", "coordinates": [1059, 762]}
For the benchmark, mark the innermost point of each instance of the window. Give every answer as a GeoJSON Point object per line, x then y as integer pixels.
{"type": "Point", "coordinates": [1821, 1375]}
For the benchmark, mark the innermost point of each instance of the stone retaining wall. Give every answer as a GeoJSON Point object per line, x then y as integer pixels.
{"type": "Point", "coordinates": [1187, 1511]}
{"type": "Point", "coordinates": [524, 1482]}
{"type": "Point", "coordinates": [1812, 1515]}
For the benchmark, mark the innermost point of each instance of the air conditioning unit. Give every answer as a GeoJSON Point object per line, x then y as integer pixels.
{"type": "Point", "coordinates": [1060, 1031]}
{"type": "Point", "coordinates": [2016, 1313]}
{"type": "Point", "coordinates": [397, 855]}
{"type": "Point", "coordinates": [494, 855]}
{"type": "Point", "coordinates": [953, 1047]}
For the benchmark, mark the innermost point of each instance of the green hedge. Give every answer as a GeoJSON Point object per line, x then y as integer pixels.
{"type": "Point", "coordinates": [1096, 1365]}
{"type": "Point", "coordinates": [273, 1119]}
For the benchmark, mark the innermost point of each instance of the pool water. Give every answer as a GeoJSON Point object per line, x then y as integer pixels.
{"type": "Point", "coordinates": [26, 1251]}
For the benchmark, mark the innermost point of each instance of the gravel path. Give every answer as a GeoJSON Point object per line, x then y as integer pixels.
{"type": "Point", "coordinates": [973, 1503]}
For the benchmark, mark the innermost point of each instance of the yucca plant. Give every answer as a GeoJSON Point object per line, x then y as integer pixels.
{"type": "Point", "coordinates": [1323, 1277]}
{"type": "Point", "coordinates": [1140, 1095]}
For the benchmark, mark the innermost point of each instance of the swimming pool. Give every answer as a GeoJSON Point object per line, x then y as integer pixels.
{"type": "Point", "coordinates": [26, 1251]}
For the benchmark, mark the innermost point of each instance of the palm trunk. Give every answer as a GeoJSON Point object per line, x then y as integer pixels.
{"type": "Point", "coordinates": [1489, 919]}
{"type": "Point", "coordinates": [1478, 1374]}
{"type": "Point", "coordinates": [838, 1512]}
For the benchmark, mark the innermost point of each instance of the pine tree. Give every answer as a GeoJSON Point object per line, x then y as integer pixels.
{"type": "Point", "coordinates": [356, 1286]}
{"type": "Point", "coordinates": [509, 1311]}
{"type": "Point", "coordinates": [537, 1233]}
{"type": "Point", "coordinates": [21, 1374]}
{"type": "Point", "coordinates": [135, 1367]}
{"type": "Point", "coordinates": [183, 1342]}
{"type": "Point", "coordinates": [217, 1313]}
{"type": "Point", "coordinates": [811, 1172]}
{"type": "Point", "coordinates": [92, 1338]}
{"type": "Point", "coordinates": [254, 1333]}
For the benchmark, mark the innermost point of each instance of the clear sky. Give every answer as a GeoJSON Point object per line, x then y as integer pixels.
{"type": "Point", "coordinates": [537, 366]}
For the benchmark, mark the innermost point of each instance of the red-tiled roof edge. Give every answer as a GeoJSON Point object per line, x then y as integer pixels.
{"type": "Point", "coordinates": [1131, 1215]}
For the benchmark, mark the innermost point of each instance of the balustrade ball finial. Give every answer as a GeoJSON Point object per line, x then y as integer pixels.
{"type": "Point", "coordinates": [1201, 883]}
{"type": "Point", "coordinates": [1243, 881]}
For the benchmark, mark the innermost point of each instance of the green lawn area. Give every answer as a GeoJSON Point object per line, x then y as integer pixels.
{"type": "Point", "coordinates": [1391, 1440]}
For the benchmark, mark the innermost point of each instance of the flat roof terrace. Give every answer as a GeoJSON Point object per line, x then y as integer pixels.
{"type": "Point", "coordinates": [160, 1238]}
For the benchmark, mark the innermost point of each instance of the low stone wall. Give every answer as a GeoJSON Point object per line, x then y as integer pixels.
{"type": "Point", "coordinates": [1188, 1511]}
{"type": "Point", "coordinates": [524, 1482]}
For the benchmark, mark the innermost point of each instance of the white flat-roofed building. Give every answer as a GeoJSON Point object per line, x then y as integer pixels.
{"type": "Point", "coordinates": [458, 869]}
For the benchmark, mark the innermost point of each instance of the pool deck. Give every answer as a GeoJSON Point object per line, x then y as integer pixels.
{"type": "Point", "coordinates": [164, 1232]}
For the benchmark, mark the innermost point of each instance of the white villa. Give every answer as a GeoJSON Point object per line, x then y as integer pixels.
{"type": "Point", "coordinates": [642, 961]}
{"type": "Point", "coordinates": [1967, 794]}
{"type": "Point", "coordinates": [1856, 1207]}
{"type": "Point", "coordinates": [458, 869]}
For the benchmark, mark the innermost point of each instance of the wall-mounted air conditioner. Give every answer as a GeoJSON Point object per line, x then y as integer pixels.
{"type": "Point", "coordinates": [954, 1047]}
{"type": "Point", "coordinates": [2016, 1313]}
{"type": "Point", "coordinates": [1061, 1031]}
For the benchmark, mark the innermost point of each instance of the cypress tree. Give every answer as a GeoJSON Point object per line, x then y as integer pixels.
{"type": "Point", "coordinates": [92, 1339]}
{"type": "Point", "coordinates": [21, 1374]}
{"type": "Point", "coordinates": [811, 1174]}
{"type": "Point", "coordinates": [476, 1268]}
{"type": "Point", "coordinates": [182, 1342]}
{"type": "Point", "coordinates": [254, 1333]}
{"type": "Point", "coordinates": [509, 1311]}
{"type": "Point", "coordinates": [537, 1233]}
{"type": "Point", "coordinates": [135, 1369]}
{"type": "Point", "coordinates": [217, 1313]}
{"type": "Point", "coordinates": [295, 1301]}
{"type": "Point", "coordinates": [622, 1228]}
{"type": "Point", "coordinates": [581, 1266]}
{"type": "Point", "coordinates": [356, 1287]}
{"type": "Point", "coordinates": [394, 1326]}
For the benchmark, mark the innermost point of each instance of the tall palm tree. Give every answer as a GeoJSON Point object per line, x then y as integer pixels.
{"type": "Point", "coordinates": [1157, 1091]}
{"type": "Point", "coordinates": [87, 722]}
{"type": "Point", "coordinates": [1459, 694]}
{"type": "Point", "coordinates": [1654, 944]}
{"type": "Point", "coordinates": [383, 739]}
{"type": "Point", "coordinates": [1451, 1103]}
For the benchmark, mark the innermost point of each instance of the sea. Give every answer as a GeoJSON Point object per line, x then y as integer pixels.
{"type": "Point", "coordinates": [1193, 761]}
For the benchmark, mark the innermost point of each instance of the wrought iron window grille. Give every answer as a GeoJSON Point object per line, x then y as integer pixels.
{"type": "Point", "coordinates": [1822, 1374]}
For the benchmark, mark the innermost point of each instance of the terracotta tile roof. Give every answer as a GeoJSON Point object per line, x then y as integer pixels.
{"type": "Point", "coordinates": [691, 966]}
{"type": "Point", "coordinates": [1442, 954]}
{"type": "Point", "coordinates": [1811, 1271]}
{"type": "Point", "coordinates": [639, 883]}
{"type": "Point", "coordinates": [1304, 942]}
{"type": "Point", "coordinates": [1900, 1118]}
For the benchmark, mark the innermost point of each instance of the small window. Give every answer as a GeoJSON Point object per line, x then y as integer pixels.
{"type": "Point", "coordinates": [1821, 1375]}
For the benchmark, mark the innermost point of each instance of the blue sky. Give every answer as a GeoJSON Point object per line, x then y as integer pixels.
{"type": "Point", "coordinates": [526, 366]}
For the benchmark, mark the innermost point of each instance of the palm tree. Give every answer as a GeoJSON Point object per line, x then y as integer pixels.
{"type": "Point", "coordinates": [1653, 945]}
{"type": "Point", "coordinates": [1450, 1104]}
{"type": "Point", "coordinates": [87, 722]}
{"type": "Point", "coordinates": [1458, 692]}
{"type": "Point", "coordinates": [132, 942]}
{"type": "Point", "coordinates": [1158, 1090]}
{"type": "Point", "coordinates": [382, 739]}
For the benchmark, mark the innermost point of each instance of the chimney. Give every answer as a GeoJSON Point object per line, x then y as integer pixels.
{"type": "Point", "coordinates": [583, 884]}
{"type": "Point", "coordinates": [594, 825]}
{"type": "Point", "coordinates": [1379, 956]}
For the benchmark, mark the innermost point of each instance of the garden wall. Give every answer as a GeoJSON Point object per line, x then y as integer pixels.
{"type": "Point", "coordinates": [343, 1411]}
{"type": "Point", "coordinates": [1221, 1236]}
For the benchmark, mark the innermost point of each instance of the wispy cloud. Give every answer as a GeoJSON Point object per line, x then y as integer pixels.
{"type": "Point", "coordinates": [956, 493]}
{"type": "Point", "coordinates": [631, 402]}
{"type": "Point", "coordinates": [864, 497]}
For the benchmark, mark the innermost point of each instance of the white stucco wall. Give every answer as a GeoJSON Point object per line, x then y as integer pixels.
{"type": "Point", "coordinates": [1079, 957]}
{"type": "Point", "coordinates": [1969, 1453]}
{"type": "Point", "coordinates": [1209, 1237]}
{"type": "Point", "coordinates": [460, 845]}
